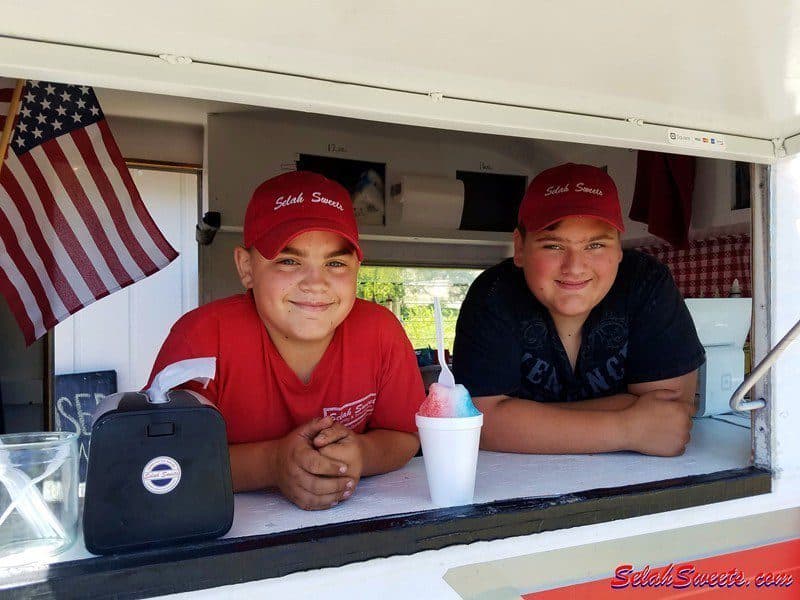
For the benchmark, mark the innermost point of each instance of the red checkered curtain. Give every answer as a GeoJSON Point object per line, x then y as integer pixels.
{"type": "Point", "coordinates": [707, 268]}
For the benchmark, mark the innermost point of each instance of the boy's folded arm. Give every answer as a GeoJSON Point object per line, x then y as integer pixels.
{"type": "Point", "coordinates": [253, 466]}
{"type": "Point", "coordinates": [519, 425]}
{"type": "Point", "coordinates": [657, 421]}
{"type": "Point", "coordinates": [615, 402]}
{"type": "Point", "coordinates": [384, 450]}
{"type": "Point", "coordinates": [684, 388]}
{"type": "Point", "coordinates": [681, 388]}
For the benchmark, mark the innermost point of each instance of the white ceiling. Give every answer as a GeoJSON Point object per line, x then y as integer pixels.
{"type": "Point", "coordinates": [162, 108]}
{"type": "Point", "coordinates": [730, 66]}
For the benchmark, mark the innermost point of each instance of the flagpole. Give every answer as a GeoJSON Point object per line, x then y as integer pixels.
{"type": "Point", "coordinates": [10, 118]}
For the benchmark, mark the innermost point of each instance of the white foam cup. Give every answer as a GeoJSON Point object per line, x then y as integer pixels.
{"type": "Point", "coordinates": [450, 452]}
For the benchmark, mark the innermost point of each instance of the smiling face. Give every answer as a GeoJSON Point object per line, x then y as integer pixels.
{"type": "Point", "coordinates": [569, 267]}
{"type": "Point", "coordinates": [306, 291]}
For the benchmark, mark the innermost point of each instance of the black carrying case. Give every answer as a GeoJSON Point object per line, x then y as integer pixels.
{"type": "Point", "coordinates": [158, 474]}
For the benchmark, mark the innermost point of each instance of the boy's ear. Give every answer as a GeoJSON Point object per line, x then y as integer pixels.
{"type": "Point", "coordinates": [244, 266]}
{"type": "Point", "coordinates": [519, 243]}
{"type": "Point", "coordinates": [619, 246]}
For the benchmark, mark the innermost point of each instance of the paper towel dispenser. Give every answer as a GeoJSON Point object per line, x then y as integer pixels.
{"type": "Point", "coordinates": [429, 201]}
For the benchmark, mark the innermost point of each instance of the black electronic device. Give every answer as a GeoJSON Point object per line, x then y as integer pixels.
{"type": "Point", "coordinates": [159, 473]}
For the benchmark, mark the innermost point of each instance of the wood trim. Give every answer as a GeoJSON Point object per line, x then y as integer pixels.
{"type": "Point", "coordinates": [237, 560]}
{"type": "Point", "coordinates": [11, 117]}
{"type": "Point", "coordinates": [48, 401]}
{"type": "Point", "coordinates": [163, 165]}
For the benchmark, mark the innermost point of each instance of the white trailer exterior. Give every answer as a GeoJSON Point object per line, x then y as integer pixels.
{"type": "Point", "coordinates": [619, 76]}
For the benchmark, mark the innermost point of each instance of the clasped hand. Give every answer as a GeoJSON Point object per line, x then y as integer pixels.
{"type": "Point", "coordinates": [319, 464]}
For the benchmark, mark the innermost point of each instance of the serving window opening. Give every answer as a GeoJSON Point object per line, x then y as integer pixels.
{"type": "Point", "coordinates": [409, 262]}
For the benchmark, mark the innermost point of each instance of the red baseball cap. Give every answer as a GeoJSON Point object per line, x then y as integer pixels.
{"type": "Point", "coordinates": [570, 190]}
{"type": "Point", "coordinates": [285, 206]}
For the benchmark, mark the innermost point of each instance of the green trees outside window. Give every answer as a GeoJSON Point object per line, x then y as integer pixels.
{"type": "Point", "coordinates": [408, 292]}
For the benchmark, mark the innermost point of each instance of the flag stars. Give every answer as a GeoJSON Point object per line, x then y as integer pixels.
{"type": "Point", "coordinates": [50, 110]}
{"type": "Point", "coordinates": [87, 195]}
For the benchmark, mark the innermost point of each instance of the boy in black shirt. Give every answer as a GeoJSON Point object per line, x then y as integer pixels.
{"type": "Point", "coordinates": [574, 346]}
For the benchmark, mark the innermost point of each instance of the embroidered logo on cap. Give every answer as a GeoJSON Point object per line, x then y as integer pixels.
{"type": "Point", "coordinates": [316, 198]}
{"type": "Point", "coordinates": [552, 190]}
{"type": "Point", "coordinates": [283, 202]}
{"type": "Point", "coordinates": [579, 187]}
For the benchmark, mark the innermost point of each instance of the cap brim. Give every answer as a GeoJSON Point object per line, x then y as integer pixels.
{"type": "Point", "coordinates": [276, 239]}
{"type": "Point", "coordinates": [619, 227]}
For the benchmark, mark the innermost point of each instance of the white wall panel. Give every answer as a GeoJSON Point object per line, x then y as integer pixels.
{"type": "Point", "coordinates": [125, 330]}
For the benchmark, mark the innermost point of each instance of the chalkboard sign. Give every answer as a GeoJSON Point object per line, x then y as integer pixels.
{"type": "Point", "coordinates": [77, 395]}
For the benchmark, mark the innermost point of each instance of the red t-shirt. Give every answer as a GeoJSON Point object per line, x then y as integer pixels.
{"type": "Point", "coordinates": [367, 377]}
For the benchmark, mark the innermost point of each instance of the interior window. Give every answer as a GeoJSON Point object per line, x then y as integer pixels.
{"type": "Point", "coordinates": [409, 291]}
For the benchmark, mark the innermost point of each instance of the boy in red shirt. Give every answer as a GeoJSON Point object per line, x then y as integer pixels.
{"type": "Point", "coordinates": [317, 388]}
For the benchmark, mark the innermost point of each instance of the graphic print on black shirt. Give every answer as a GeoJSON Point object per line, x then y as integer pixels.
{"type": "Point", "coordinates": [506, 341]}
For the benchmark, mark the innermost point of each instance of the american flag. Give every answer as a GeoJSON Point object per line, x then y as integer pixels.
{"type": "Point", "coordinates": [73, 228]}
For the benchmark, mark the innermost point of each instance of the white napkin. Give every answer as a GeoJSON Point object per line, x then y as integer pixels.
{"type": "Point", "coordinates": [198, 369]}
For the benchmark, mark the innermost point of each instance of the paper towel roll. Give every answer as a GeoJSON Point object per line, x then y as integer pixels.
{"type": "Point", "coordinates": [428, 201]}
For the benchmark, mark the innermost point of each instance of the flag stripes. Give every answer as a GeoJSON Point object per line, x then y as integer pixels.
{"type": "Point", "coordinates": [19, 297]}
{"type": "Point", "coordinates": [92, 175]}
{"type": "Point", "coordinates": [109, 153]}
{"type": "Point", "coordinates": [51, 219]}
{"type": "Point", "coordinates": [13, 230]}
{"type": "Point", "coordinates": [40, 224]}
{"type": "Point", "coordinates": [73, 227]}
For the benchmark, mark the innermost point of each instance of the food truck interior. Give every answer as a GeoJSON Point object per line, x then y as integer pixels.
{"type": "Point", "coordinates": [435, 207]}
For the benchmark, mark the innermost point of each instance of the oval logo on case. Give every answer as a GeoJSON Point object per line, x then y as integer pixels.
{"type": "Point", "coordinates": [161, 475]}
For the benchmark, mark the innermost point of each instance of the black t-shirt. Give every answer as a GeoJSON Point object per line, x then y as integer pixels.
{"type": "Point", "coordinates": [506, 341]}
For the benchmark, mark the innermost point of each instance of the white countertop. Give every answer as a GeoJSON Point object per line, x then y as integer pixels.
{"type": "Point", "coordinates": [715, 446]}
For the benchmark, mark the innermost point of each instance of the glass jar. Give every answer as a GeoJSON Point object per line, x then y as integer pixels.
{"type": "Point", "coordinates": [38, 495]}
